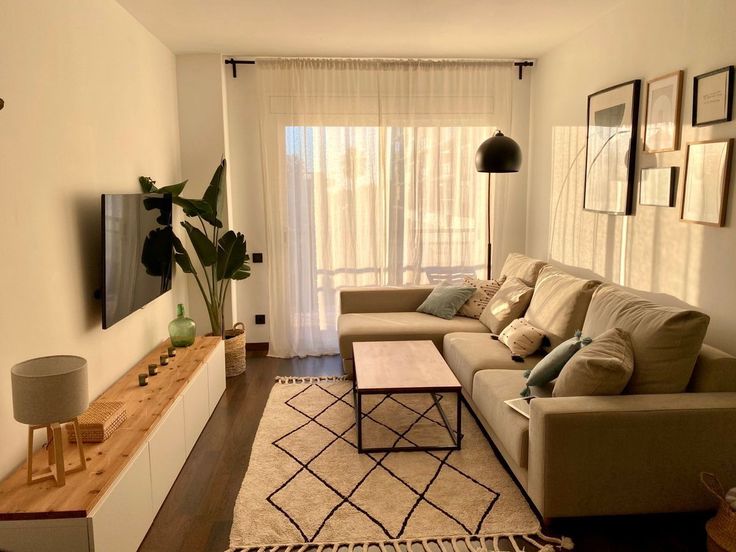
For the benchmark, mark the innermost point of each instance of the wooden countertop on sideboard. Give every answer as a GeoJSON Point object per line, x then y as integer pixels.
{"type": "Point", "coordinates": [105, 461]}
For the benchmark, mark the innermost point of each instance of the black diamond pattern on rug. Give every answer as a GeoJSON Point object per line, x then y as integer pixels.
{"type": "Point", "coordinates": [323, 492]}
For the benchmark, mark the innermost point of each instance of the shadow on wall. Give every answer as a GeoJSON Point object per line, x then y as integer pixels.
{"type": "Point", "coordinates": [87, 209]}
{"type": "Point", "coordinates": [652, 251]}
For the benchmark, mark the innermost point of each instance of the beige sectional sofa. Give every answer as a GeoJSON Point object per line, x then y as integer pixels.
{"type": "Point", "coordinates": [639, 452]}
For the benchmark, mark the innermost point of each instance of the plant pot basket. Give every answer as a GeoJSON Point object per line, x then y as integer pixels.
{"type": "Point", "coordinates": [721, 528]}
{"type": "Point", "coordinates": [235, 350]}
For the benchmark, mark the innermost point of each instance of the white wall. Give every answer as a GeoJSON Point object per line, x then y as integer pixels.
{"type": "Point", "coordinates": [651, 250]}
{"type": "Point", "coordinates": [90, 105]}
{"type": "Point", "coordinates": [203, 130]}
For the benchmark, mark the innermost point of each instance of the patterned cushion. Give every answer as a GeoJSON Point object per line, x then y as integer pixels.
{"type": "Point", "coordinates": [485, 290]}
{"type": "Point", "coordinates": [521, 338]}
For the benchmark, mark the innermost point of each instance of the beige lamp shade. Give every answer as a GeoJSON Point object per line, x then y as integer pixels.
{"type": "Point", "coordinates": [49, 389]}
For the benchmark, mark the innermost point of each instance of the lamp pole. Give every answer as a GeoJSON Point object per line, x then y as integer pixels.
{"type": "Point", "coordinates": [488, 230]}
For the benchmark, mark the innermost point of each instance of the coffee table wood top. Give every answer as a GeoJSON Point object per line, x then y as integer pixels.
{"type": "Point", "coordinates": [401, 366]}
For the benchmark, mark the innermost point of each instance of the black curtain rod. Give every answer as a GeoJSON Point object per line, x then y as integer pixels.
{"type": "Point", "coordinates": [235, 62]}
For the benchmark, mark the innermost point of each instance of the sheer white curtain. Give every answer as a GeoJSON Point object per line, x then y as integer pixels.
{"type": "Point", "coordinates": [369, 179]}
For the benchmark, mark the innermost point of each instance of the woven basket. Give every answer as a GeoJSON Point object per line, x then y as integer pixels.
{"type": "Point", "coordinates": [235, 350]}
{"type": "Point", "coordinates": [99, 421]}
{"type": "Point", "coordinates": [721, 528]}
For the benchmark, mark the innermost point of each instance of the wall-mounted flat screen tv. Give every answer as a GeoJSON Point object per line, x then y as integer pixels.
{"type": "Point", "coordinates": [137, 254]}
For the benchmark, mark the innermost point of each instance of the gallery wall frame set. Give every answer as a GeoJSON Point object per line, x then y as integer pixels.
{"type": "Point", "coordinates": [663, 108]}
{"type": "Point", "coordinates": [713, 97]}
{"type": "Point", "coordinates": [705, 191]}
{"type": "Point", "coordinates": [610, 155]}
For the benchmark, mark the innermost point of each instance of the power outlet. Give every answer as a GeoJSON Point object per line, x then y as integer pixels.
{"type": "Point", "coordinates": [257, 257]}
{"type": "Point", "coordinates": [260, 318]}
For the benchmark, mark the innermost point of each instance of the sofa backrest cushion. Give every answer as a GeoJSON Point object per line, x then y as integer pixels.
{"type": "Point", "coordinates": [522, 267]}
{"type": "Point", "coordinates": [559, 304]}
{"type": "Point", "coordinates": [715, 371]}
{"type": "Point", "coordinates": [666, 340]}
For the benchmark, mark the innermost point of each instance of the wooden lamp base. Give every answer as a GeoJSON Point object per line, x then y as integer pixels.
{"type": "Point", "coordinates": [56, 469]}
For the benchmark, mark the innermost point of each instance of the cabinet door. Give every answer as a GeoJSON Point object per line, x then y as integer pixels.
{"type": "Point", "coordinates": [122, 519]}
{"type": "Point", "coordinates": [196, 407]}
{"type": "Point", "coordinates": [167, 450]}
{"type": "Point", "coordinates": [216, 369]}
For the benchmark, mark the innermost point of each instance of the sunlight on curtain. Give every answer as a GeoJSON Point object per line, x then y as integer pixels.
{"type": "Point", "coordinates": [370, 180]}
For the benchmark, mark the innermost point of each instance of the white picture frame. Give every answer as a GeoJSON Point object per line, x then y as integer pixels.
{"type": "Point", "coordinates": [705, 190]}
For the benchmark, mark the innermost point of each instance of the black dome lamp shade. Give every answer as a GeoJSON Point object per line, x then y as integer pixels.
{"type": "Point", "coordinates": [498, 154]}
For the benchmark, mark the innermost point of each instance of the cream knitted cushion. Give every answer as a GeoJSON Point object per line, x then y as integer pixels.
{"type": "Point", "coordinates": [485, 290]}
{"type": "Point", "coordinates": [521, 338]}
{"type": "Point", "coordinates": [507, 305]}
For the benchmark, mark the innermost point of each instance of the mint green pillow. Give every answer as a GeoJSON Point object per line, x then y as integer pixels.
{"type": "Point", "coordinates": [445, 300]}
{"type": "Point", "coordinates": [551, 365]}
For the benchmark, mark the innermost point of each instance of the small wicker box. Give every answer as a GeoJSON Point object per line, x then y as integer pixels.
{"type": "Point", "coordinates": [99, 421]}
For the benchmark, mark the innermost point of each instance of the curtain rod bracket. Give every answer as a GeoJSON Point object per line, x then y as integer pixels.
{"type": "Point", "coordinates": [519, 64]}
{"type": "Point", "coordinates": [235, 62]}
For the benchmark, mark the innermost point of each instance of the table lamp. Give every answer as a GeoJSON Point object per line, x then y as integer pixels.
{"type": "Point", "coordinates": [48, 392]}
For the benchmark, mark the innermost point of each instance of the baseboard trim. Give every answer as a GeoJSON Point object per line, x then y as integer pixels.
{"type": "Point", "coordinates": [256, 346]}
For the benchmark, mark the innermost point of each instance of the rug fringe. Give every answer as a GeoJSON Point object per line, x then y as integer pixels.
{"type": "Point", "coordinates": [309, 379]}
{"type": "Point", "coordinates": [469, 543]}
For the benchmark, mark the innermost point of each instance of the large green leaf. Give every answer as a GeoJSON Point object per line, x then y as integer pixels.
{"type": "Point", "coordinates": [174, 189]}
{"type": "Point", "coordinates": [182, 257]}
{"type": "Point", "coordinates": [230, 254]}
{"type": "Point", "coordinates": [148, 185]}
{"type": "Point", "coordinates": [213, 193]}
{"type": "Point", "coordinates": [243, 272]}
{"type": "Point", "coordinates": [205, 249]}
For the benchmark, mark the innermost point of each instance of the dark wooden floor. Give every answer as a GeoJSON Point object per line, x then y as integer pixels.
{"type": "Point", "coordinates": [197, 514]}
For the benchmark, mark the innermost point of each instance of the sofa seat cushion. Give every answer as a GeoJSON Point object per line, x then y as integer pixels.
{"type": "Point", "coordinates": [468, 353]}
{"type": "Point", "coordinates": [490, 389]}
{"type": "Point", "coordinates": [399, 326]}
{"type": "Point", "coordinates": [666, 340]}
{"type": "Point", "coordinates": [559, 304]}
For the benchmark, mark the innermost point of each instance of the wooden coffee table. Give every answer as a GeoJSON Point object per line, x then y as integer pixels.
{"type": "Point", "coordinates": [400, 367]}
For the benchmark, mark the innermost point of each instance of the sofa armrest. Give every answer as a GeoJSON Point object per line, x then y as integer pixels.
{"type": "Point", "coordinates": [382, 299]}
{"type": "Point", "coordinates": [629, 454]}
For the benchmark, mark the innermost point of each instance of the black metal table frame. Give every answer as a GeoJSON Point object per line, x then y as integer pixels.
{"type": "Point", "coordinates": [456, 435]}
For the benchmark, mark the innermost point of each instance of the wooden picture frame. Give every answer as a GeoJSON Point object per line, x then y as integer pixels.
{"type": "Point", "coordinates": [657, 186]}
{"type": "Point", "coordinates": [713, 97]}
{"type": "Point", "coordinates": [663, 109]}
{"type": "Point", "coordinates": [705, 189]}
{"type": "Point", "coordinates": [610, 153]}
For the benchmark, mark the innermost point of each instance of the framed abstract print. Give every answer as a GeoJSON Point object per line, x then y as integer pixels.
{"type": "Point", "coordinates": [610, 157]}
{"type": "Point", "coordinates": [707, 172]}
{"type": "Point", "coordinates": [662, 121]}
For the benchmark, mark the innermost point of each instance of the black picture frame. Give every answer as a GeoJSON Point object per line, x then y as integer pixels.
{"type": "Point", "coordinates": [617, 116]}
{"type": "Point", "coordinates": [662, 199]}
{"type": "Point", "coordinates": [729, 70]}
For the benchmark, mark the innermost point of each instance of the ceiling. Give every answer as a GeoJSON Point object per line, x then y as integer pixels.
{"type": "Point", "coordinates": [380, 28]}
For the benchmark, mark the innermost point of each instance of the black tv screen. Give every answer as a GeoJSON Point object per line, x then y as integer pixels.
{"type": "Point", "coordinates": [136, 251]}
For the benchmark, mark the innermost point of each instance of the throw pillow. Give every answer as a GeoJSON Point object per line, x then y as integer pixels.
{"type": "Point", "coordinates": [484, 292]}
{"type": "Point", "coordinates": [521, 338]}
{"type": "Point", "coordinates": [602, 368]}
{"type": "Point", "coordinates": [445, 300]}
{"type": "Point", "coordinates": [551, 365]}
{"type": "Point", "coordinates": [507, 305]}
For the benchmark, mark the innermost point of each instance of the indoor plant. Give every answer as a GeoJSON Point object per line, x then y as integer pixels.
{"type": "Point", "coordinates": [222, 256]}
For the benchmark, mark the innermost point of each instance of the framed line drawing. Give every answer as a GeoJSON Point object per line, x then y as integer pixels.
{"type": "Point", "coordinates": [713, 97]}
{"type": "Point", "coordinates": [705, 191]}
{"type": "Point", "coordinates": [657, 186]}
{"type": "Point", "coordinates": [663, 108]}
{"type": "Point", "coordinates": [610, 156]}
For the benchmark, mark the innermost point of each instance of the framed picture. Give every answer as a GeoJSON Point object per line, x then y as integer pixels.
{"type": "Point", "coordinates": [657, 186]}
{"type": "Point", "coordinates": [662, 121]}
{"type": "Point", "coordinates": [706, 182]}
{"type": "Point", "coordinates": [610, 156]}
{"type": "Point", "coordinates": [713, 97]}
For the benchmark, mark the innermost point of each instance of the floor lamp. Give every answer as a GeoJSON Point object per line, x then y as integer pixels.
{"type": "Point", "coordinates": [498, 154]}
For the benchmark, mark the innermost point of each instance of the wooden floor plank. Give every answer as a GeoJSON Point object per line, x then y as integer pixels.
{"type": "Point", "coordinates": [197, 514]}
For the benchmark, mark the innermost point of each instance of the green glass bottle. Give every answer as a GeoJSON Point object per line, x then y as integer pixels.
{"type": "Point", "coordinates": [182, 330]}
